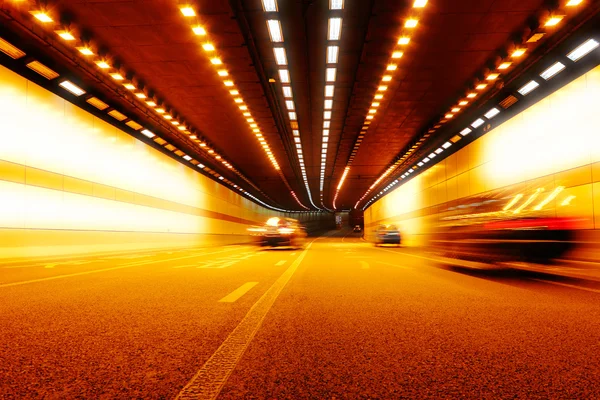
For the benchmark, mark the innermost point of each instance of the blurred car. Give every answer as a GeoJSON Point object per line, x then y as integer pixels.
{"type": "Point", "coordinates": [357, 229]}
{"type": "Point", "coordinates": [280, 232]}
{"type": "Point", "coordinates": [507, 227]}
{"type": "Point", "coordinates": [387, 234]}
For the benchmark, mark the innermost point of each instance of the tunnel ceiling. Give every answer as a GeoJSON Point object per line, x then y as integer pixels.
{"type": "Point", "coordinates": [449, 49]}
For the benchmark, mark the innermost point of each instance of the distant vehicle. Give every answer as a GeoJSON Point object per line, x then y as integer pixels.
{"type": "Point", "coordinates": [387, 234]}
{"type": "Point", "coordinates": [357, 229]}
{"type": "Point", "coordinates": [280, 232]}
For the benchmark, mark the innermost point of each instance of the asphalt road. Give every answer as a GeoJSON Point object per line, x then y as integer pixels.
{"type": "Point", "coordinates": [339, 319]}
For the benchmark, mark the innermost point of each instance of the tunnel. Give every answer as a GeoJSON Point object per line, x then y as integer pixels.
{"type": "Point", "coordinates": [299, 199]}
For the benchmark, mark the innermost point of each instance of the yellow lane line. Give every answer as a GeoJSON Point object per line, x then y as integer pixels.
{"type": "Point", "coordinates": [237, 293]}
{"type": "Point", "coordinates": [364, 265]}
{"type": "Point", "coordinates": [280, 263]}
{"type": "Point", "coordinates": [567, 285]}
{"type": "Point", "coordinates": [210, 379]}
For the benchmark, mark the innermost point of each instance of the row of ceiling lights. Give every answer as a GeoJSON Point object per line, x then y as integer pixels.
{"type": "Point", "coordinates": [478, 87]}
{"type": "Point", "coordinates": [557, 67]}
{"type": "Point", "coordinates": [276, 34]}
{"type": "Point", "coordinates": [334, 36]}
{"type": "Point", "coordinates": [86, 49]}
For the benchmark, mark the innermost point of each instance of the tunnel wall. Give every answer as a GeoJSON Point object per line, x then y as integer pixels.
{"type": "Point", "coordinates": [71, 182]}
{"type": "Point", "coordinates": [555, 142]}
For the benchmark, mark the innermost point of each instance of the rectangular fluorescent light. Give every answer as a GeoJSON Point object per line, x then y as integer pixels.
{"type": "Point", "coordinates": [446, 145]}
{"type": "Point", "coordinates": [289, 104]}
{"type": "Point", "coordinates": [198, 30]}
{"type": "Point", "coordinates": [582, 50]}
{"type": "Point", "coordinates": [42, 16]}
{"type": "Point", "coordinates": [553, 70]}
{"type": "Point", "coordinates": [327, 115]}
{"type": "Point", "coordinates": [71, 87]}
{"type": "Point", "coordinates": [86, 51]}
{"type": "Point", "coordinates": [208, 47]}
{"type": "Point", "coordinates": [529, 87]}
{"type": "Point", "coordinates": [329, 90]}
{"type": "Point", "coordinates": [336, 4]}
{"type": "Point", "coordinates": [420, 163]}
{"type": "Point", "coordinates": [188, 11]}
{"type": "Point", "coordinates": [10, 50]}
{"type": "Point", "coordinates": [275, 32]}
{"type": "Point", "coordinates": [102, 64]}
{"type": "Point", "coordinates": [504, 65]}
{"type": "Point", "coordinates": [328, 104]}
{"type": "Point", "coordinates": [134, 125]}
{"type": "Point", "coordinates": [186, 157]}
{"type": "Point", "coordinates": [439, 150]}
{"type": "Point", "coordinates": [66, 35]}
{"type": "Point", "coordinates": [465, 131]}
{"type": "Point", "coordinates": [117, 77]}
{"type": "Point", "coordinates": [492, 113]}
{"type": "Point", "coordinates": [554, 20]}
{"type": "Point", "coordinates": [426, 160]}
{"type": "Point", "coordinates": [292, 115]}
{"type": "Point", "coordinates": [431, 155]}
{"type": "Point", "coordinates": [326, 124]}
{"type": "Point", "coordinates": [404, 40]}
{"type": "Point", "coordinates": [477, 123]}
{"type": "Point", "coordinates": [129, 86]}
{"type": "Point", "coordinates": [287, 91]}
{"type": "Point", "coordinates": [411, 23]}
{"type": "Point", "coordinates": [269, 5]}
{"type": "Point", "coordinates": [419, 3]}
{"type": "Point", "coordinates": [330, 74]}
{"type": "Point", "coordinates": [148, 133]}
{"type": "Point", "coordinates": [284, 76]}
{"type": "Point", "coordinates": [42, 70]}
{"type": "Point", "coordinates": [332, 54]}
{"type": "Point", "coordinates": [117, 115]}
{"type": "Point", "coordinates": [334, 30]}
{"type": "Point", "coordinates": [99, 104]}
{"type": "Point", "coordinates": [280, 55]}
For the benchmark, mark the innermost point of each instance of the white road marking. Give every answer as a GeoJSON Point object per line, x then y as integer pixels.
{"type": "Point", "coordinates": [567, 285]}
{"type": "Point", "coordinates": [210, 379]}
{"type": "Point", "coordinates": [392, 265]}
{"type": "Point", "coordinates": [364, 265]}
{"type": "Point", "coordinates": [279, 263]}
{"type": "Point", "coordinates": [237, 293]}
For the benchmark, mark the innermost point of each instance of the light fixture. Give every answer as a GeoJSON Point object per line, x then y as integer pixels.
{"type": "Point", "coordinates": [66, 35]}
{"type": "Point", "coordinates": [572, 3]}
{"type": "Point", "coordinates": [198, 30]}
{"type": "Point", "coordinates": [275, 32]}
{"type": "Point", "coordinates": [492, 113]}
{"type": "Point", "coordinates": [481, 86]}
{"type": "Point", "coordinates": [208, 47]}
{"type": "Point", "coordinates": [222, 72]}
{"type": "Point", "coordinates": [382, 88]}
{"type": "Point", "coordinates": [492, 77]}
{"type": "Point", "coordinates": [426, 160]}
{"type": "Point", "coordinates": [448, 116]}
{"type": "Point", "coordinates": [463, 103]}
{"type": "Point", "coordinates": [129, 86]}
{"type": "Point", "coordinates": [465, 131]}
{"type": "Point", "coordinates": [332, 54]}
{"type": "Point", "coordinates": [330, 74]}
{"type": "Point", "coordinates": [529, 87]}
{"type": "Point", "coordinates": [42, 16]}
{"type": "Point", "coordinates": [292, 115]}
{"type": "Point", "coordinates": [99, 104]}
{"type": "Point", "coordinates": [269, 5]}
{"type": "Point", "coordinates": [455, 109]}
{"type": "Point", "coordinates": [280, 55]}
{"type": "Point", "coordinates": [552, 70]}
{"type": "Point", "coordinates": [103, 64]}
{"type": "Point", "coordinates": [289, 104]}
{"type": "Point", "coordinates": [327, 115]}
{"type": "Point", "coordinates": [86, 51]}
{"type": "Point", "coordinates": [334, 30]}
{"type": "Point", "coordinates": [328, 104]}
{"type": "Point", "coordinates": [71, 87]}
{"type": "Point", "coordinates": [446, 145]}
{"type": "Point", "coordinates": [411, 23]}
{"type": "Point", "coordinates": [287, 91]}
{"type": "Point", "coordinates": [117, 76]}
{"type": "Point", "coordinates": [554, 20]}
{"type": "Point", "coordinates": [477, 123]}
{"type": "Point", "coordinates": [336, 4]}
{"type": "Point", "coordinates": [329, 89]}
{"type": "Point", "coordinates": [419, 3]}
{"type": "Point", "coordinates": [504, 65]}
{"type": "Point", "coordinates": [391, 67]}
{"type": "Point", "coordinates": [437, 151]}
{"type": "Point", "coordinates": [228, 83]}
{"type": "Point", "coordinates": [378, 97]}
{"type": "Point", "coordinates": [148, 133]}
{"type": "Point", "coordinates": [471, 95]}
{"type": "Point", "coordinates": [403, 40]}
{"type": "Point", "coordinates": [234, 92]}
{"type": "Point", "coordinates": [284, 76]}
{"type": "Point", "coordinates": [582, 50]}
{"type": "Point", "coordinates": [140, 95]}
{"type": "Point", "coordinates": [216, 61]}
{"type": "Point", "coordinates": [238, 100]}
{"type": "Point", "coordinates": [42, 70]}
{"type": "Point", "coordinates": [386, 78]}
{"type": "Point", "coordinates": [187, 11]}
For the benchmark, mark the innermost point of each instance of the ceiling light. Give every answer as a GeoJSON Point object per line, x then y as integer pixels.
{"type": "Point", "coordinates": [386, 78]}
{"type": "Point", "coordinates": [216, 61]}
{"type": "Point", "coordinates": [382, 88]}
{"type": "Point", "coordinates": [243, 108]}
{"type": "Point", "coordinates": [448, 115]}
{"type": "Point", "coordinates": [103, 64]}
{"type": "Point", "coordinates": [289, 104]}
{"type": "Point", "coordinates": [222, 72]}
{"type": "Point", "coordinates": [275, 33]}
{"type": "Point", "coordinates": [86, 51]}
{"type": "Point", "coordinates": [42, 70]}
{"type": "Point", "coordinates": [42, 16]}
{"type": "Point", "coordinates": [553, 70]}
{"type": "Point", "coordinates": [463, 103]}
{"type": "Point", "coordinates": [477, 123]}
{"type": "Point", "coordinates": [374, 104]}
{"type": "Point", "coordinates": [426, 160]}
{"type": "Point", "coordinates": [391, 67]}
{"type": "Point", "coordinates": [492, 77]}
{"type": "Point", "coordinates": [504, 65]}
{"type": "Point", "coordinates": [181, 128]}
{"type": "Point", "coordinates": [208, 47]}
{"type": "Point", "coordinates": [330, 74]}
{"type": "Point", "coordinates": [438, 151]}
{"type": "Point", "coordinates": [284, 76]}
{"type": "Point", "coordinates": [117, 77]}
{"type": "Point", "coordinates": [117, 115]}
{"type": "Point", "coordinates": [518, 52]}
{"type": "Point", "coordinates": [481, 86]}
{"type": "Point", "coordinates": [66, 35]}
{"type": "Point", "coordinates": [329, 90]}
{"type": "Point", "coordinates": [148, 133]}
{"type": "Point", "coordinates": [332, 54]}
{"type": "Point", "coordinates": [465, 131]}
{"type": "Point", "coordinates": [378, 97]}
{"type": "Point", "coordinates": [530, 86]}
{"type": "Point", "coordinates": [327, 124]}
{"type": "Point", "coordinates": [554, 20]}
{"type": "Point", "coordinates": [328, 104]}
{"type": "Point", "coordinates": [187, 11]}
{"type": "Point", "coordinates": [572, 3]}
{"type": "Point", "coordinates": [411, 23]}
{"type": "Point", "coordinates": [327, 115]}
{"type": "Point", "coordinates": [492, 113]}
{"type": "Point", "coordinates": [228, 83]}
{"type": "Point", "coordinates": [471, 95]}
{"type": "Point", "coordinates": [334, 30]}
{"type": "Point", "coordinates": [160, 110]}
{"type": "Point", "coordinates": [71, 87]}
{"type": "Point", "coordinates": [140, 95]}
{"type": "Point", "coordinates": [446, 145]}
{"type": "Point", "coordinates": [167, 117]}
{"type": "Point", "coordinates": [431, 155]}
{"type": "Point", "coordinates": [198, 30]}
{"type": "Point", "coordinates": [269, 5]}
{"type": "Point", "coordinates": [129, 86]}
{"type": "Point", "coordinates": [404, 40]}
{"type": "Point", "coordinates": [99, 104]}
{"type": "Point", "coordinates": [234, 92]}
{"type": "Point", "coordinates": [280, 55]}
{"type": "Point", "coordinates": [582, 50]}
{"type": "Point", "coordinates": [238, 100]}
{"type": "Point", "coordinates": [336, 4]}
{"type": "Point", "coordinates": [455, 109]}
{"type": "Point", "coordinates": [287, 91]}
{"type": "Point", "coordinates": [292, 115]}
